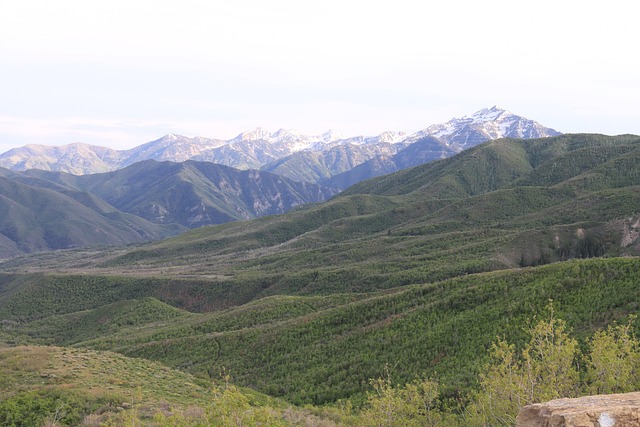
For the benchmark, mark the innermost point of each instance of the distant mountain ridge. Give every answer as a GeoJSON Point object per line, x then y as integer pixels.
{"type": "Point", "coordinates": [444, 140]}
{"type": "Point", "coordinates": [149, 200]}
{"type": "Point", "coordinates": [424, 150]}
{"type": "Point", "coordinates": [192, 193]}
{"type": "Point", "coordinates": [483, 125]}
{"type": "Point", "coordinates": [39, 216]}
{"type": "Point", "coordinates": [263, 149]}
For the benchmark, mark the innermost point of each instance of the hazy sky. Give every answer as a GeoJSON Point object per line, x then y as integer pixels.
{"type": "Point", "coordinates": [121, 73]}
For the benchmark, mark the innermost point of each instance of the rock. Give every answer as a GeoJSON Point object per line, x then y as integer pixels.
{"type": "Point", "coordinates": [619, 410]}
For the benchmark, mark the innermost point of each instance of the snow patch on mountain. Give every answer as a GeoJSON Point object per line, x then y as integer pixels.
{"type": "Point", "coordinates": [483, 125]}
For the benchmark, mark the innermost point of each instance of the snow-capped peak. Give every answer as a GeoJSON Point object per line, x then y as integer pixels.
{"type": "Point", "coordinates": [261, 146]}
{"type": "Point", "coordinates": [286, 133]}
{"type": "Point", "coordinates": [488, 114]}
{"type": "Point", "coordinates": [254, 135]}
{"type": "Point", "coordinates": [284, 140]}
{"type": "Point", "coordinates": [391, 137]}
{"type": "Point", "coordinates": [330, 136]}
{"type": "Point", "coordinates": [488, 123]}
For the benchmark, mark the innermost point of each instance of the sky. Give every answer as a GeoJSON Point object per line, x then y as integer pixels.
{"type": "Point", "coordinates": [121, 73]}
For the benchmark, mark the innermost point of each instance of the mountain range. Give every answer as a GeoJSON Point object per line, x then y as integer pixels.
{"type": "Point", "coordinates": [148, 200]}
{"type": "Point", "coordinates": [155, 190]}
{"type": "Point", "coordinates": [316, 159]}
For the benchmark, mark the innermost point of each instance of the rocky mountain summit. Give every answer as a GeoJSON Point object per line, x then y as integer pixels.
{"type": "Point", "coordinates": [483, 125]}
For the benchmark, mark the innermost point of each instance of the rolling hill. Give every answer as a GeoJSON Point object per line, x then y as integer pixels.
{"type": "Point", "coordinates": [497, 205]}
{"type": "Point", "coordinates": [35, 219]}
{"type": "Point", "coordinates": [318, 349]}
{"type": "Point", "coordinates": [419, 270]}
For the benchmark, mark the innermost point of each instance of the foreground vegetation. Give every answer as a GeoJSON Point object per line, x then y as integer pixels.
{"type": "Point", "coordinates": [549, 366]}
{"type": "Point", "coordinates": [65, 386]}
{"type": "Point", "coordinates": [60, 386]}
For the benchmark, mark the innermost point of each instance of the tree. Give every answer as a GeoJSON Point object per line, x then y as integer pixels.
{"type": "Point", "coordinates": [415, 404]}
{"type": "Point", "coordinates": [613, 363]}
{"type": "Point", "coordinates": [229, 407]}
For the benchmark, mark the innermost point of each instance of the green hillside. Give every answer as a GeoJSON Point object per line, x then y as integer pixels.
{"type": "Point", "coordinates": [57, 386]}
{"type": "Point", "coordinates": [503, 204]}
{"type": "Point", "coordinates": [470, 213]}
{"type": "Point", "coordinates": [33, 218]}
{"type": "Point", "coordinates": [500, 163]}
{"type": "Point", "coordinates": [413, 273]}
{"type": "Point", "coordinates": [335, 343]}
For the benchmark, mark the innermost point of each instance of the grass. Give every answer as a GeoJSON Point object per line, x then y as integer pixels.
{"type": "Point", "coordinates": [85, 387]}
{"type": "Point", "coordinates": [97, 374]}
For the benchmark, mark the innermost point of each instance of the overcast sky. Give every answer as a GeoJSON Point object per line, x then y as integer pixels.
{"type": "Point", "coordinates": [122, 72]}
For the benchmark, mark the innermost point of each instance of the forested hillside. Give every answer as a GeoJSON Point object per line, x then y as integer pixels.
{"type": "Point", "coordinates": [439, 274]}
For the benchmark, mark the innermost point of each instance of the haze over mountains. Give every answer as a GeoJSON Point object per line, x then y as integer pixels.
{"type": "Point", "coordinates": [288, 152]}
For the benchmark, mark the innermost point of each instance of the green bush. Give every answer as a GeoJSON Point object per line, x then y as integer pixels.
{"type": "Point", "coordinates": [33, 408]}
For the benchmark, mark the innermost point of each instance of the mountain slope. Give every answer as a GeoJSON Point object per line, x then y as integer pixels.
{"type": "Point", "coordinates": [75, 158]}
{"type": "Point", "coordinates": [424, 150]}
{"type": "Point", "coordinates": [477, 170]}
{"type": "Point", "coordinates": [175, 148]}
{"type": "Point", "coordinates": [483, 125]}
{"type": "Point", "coordinates": [43, 210]}
{"type": "Point", "coordinates": [192, 193]}
{"type": "Point", "coordinates": [318, 166]}
{"type": "Point", "coordinates": [37, 219]}
{"type": "Point", "coordinates": [476, 211]}
{"type": "Point", "coordinates": [428, 195]}
{"type": "Point", "coordinates": [445, 140]}
{"type": "Point", "coordinates": [378, 166]}
{"type": "Point", "coordinates": [510, 162]}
